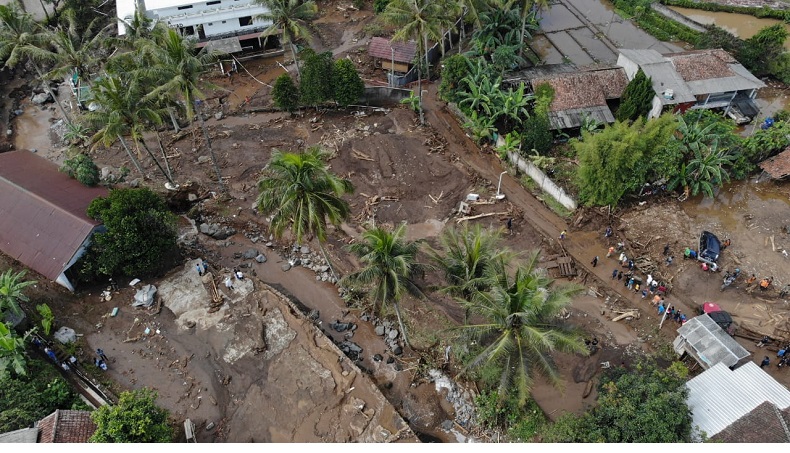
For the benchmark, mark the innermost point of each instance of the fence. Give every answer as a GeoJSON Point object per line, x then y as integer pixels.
{"type": "Point", "coordinates": [542, 180]}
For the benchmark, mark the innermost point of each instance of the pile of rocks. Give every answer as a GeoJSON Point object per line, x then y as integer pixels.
{"type": "Point", "coordinates": [216, 230]}
{"type": "Point", "coordinates": [389, 332]}
{"type": "Point", "coordinates": [303, 256]}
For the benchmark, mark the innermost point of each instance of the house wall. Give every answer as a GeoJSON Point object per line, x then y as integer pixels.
{"type": "Point", "coordinates": [629, 66]}
{"type": "Point", "coordinates": [656, 109]}
{"type": "Point", "coordinates": [221, 17]}
{"type": "Point", "coordinates": [62, 279]}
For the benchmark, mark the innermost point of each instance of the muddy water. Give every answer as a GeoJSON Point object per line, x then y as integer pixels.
{"type": "Point", "coordinates": [32, 129]}
{"type": "Point", "coordinates": [743, 26]}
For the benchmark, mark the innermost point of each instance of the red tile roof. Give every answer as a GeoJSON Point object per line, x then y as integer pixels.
{"type": "Point", "coordinates": [383, 48]}
{"type": "Point", "coordinates": [42, 212]}
{"type": "Point", "coordinates": [64, 426]}
{"type": "Point", "coordinates": [778, 167]}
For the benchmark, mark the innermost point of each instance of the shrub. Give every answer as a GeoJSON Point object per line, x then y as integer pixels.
{"type": "Point", "coordinates": [285, 93]}
{"type": "Point", "coordinates": [135, 419]}
{"type": "Point", "coordinates": [348, 87]}
{"type": "Point", "coordinates": [82, 168]}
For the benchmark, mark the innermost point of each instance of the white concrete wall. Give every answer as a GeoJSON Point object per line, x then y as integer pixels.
{"type": "Point", "coordinates": [656, 108]}
{"type": "Point", "coordinates": [542, 180]}
{"type": "Point", "coordinates": [629, 66]}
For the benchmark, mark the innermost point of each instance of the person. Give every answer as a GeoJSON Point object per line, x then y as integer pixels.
{"type": "Point", "coordinates": [765, 283]}
{"type": "Point", "coordinates": [661, 309]}
{"type": "Point", "coordinates": [228, 283]}
{"type": "Point", "coordinates": [654, 285]}
{"type": "Point", "coordinates": [704, 266]}
{"type": "Point", "coordinates": [622, 257]}
{"type": "Point", "coordinates": [608, 232]}
{"type": "Point", "coordinates": [669, 260]}
{"type": "Point", "coordinates": [100, 351]}
{"type": "Point", "coordinates": [644, 293]}
{"type": "Point", "coordinates": [630, 265]}
{"type": "Point", "coordinates": [636, 288]}
{"type": "Point", "coordinates": [649, 279]}
{"type": "Point", "coordinates": [725, 244]}
{"type": "Point", "coordinates": [662, 290]}
{"type": "Point", "coordinates": [630, 283]}
{"type": "Point", "coordinates": [510, 225]}
{"type": "Point", "coordinates": [199, 269]}
{"type": "Point", "coordinates": [65, 366]}
{"type": "Point", "coordinates": [51, 354]}
{"type": "Point", "coordinates": [656, 299]}
{"type": "Point", "coordinates": [620, 275]}
{"type": "Point", "coordinates": [614, 274]}
{"type": "Point", "coordinates": [666, 250]}
{"type": "Point", "coordinates": [682, 319]}
{"type": "Point", "coordinates": [676, 316]}
{"type": "Point", "coordinates": [610, 252]}
{"type": "Point", "coordinates": [594, 262]}
{"type": "Point", "coordinates": [766, 339]}
{"type": "Point", "coordinates": [100, 363]}
{"type": "Point", "coordinates": [766, 361]}
{"type": "Point", "coordinates": [750, 281]}
{"type": "Point", "coordinates": [686, 253]}
{"type": "Point", "coordinates": [563, 233]}
{"type": "Point", "coordinates": [36, 342]}
{"type": "Point", "coordinates": [237, 273]}
{"type": "Point", "coordinates": [781, 353]}
{"type": "Point", "coordinates": [73, 360]}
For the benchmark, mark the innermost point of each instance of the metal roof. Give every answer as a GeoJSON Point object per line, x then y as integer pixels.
{"type": "Point", "coordinates": [720, 396]}
{"type": "Point", "coordinates": [709, 343]}
{"type": "Point", "coordinates": [571, 118]}
{"type": "Point", "coordinates": [43, 221]}
{"type": "Point", "coordinates": [20, 436]}
{"type": "Point", "coordinates": [402, 52]}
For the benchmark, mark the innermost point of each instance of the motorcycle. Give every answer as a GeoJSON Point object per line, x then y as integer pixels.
{"type": "Point", "coordinates": [729, 278]}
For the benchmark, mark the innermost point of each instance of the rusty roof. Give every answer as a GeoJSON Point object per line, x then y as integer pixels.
{"type": "Point", "coordinates": [404, 52]}
{"type": "Point", "coordinates": [584, 89]}
{"type": "Point", "coordinates": [66, 426]}
{"type": "Point", "coordinates": [778, 167]}
{"type": "Point", "coordinates": [42, 212]}
{"type": "Point", "coordinates": [703, 64]}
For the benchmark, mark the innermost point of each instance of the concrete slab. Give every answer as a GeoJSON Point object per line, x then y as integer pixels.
{"type": "Point", "coordinates": [558, 18]}
{"type": "Point", "coordinates": [594, 47]}
{"type": "Point", "coordinates": [546, 50]}
{"type": "Point", "coordinates": [570, 48]}
{"type": "Point", "coordinates": [597, 12]}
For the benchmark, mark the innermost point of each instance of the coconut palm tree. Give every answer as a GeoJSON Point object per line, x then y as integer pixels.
{"type": "Point", "coordinates": [419, 20]}
{"type": "Point", "coordinates": [519, 327]}
{"type": "Point", "coordinates": [12, 293]}
{"type": "Point", "coordinates": [390, 266]}
{"type": "Point", "coordinates": [124, 110]}
{"type": "Point", "coordinates": [300, 193]}
{"type": "Point", "coordinates": [22, 39]}
{"type": "Point", "coordinates": [77, 50]}
{"type": "Point", "coordinates": [289, 17]}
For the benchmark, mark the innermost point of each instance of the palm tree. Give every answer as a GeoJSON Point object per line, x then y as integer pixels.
{"type": "Point", "coordinates": [528, 10]}
{"type": "Point", "coordinates": [520, 327]}
{"type": "Point", "coordinates": [417, 19]}
{"type": "Point", "coordinates": [390, 265]}
{"type": "Point", "coordinates": [11, 291]}
{"type": "Point", "coordinates": [467, 258]}
{"type": "Point", "coordinates": [123, 110]}
{"type": "Point", "coordinates": [21, 38]}
{"type": "Point", "coordinates": [707, 169]}
{"type": "Point", "coordinates": [300, 193]}
{"type": "Point", "coordinates": [75, 49]}
{"type": "Point", "coordinates": [289, 17]}
{"type": "Point", "coordinates": [138, 27]}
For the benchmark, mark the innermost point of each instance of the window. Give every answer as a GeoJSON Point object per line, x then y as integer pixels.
{"type": "Point", "coordinates": [184, 7]}
{"type": "Point", "coordinates": [224, 21]}
{"type": "Point", "coordinates": [210, 24]}
{"type": "Point", "coordinates": [215, 2]}
{"type": "Point", "coordinates": [245, 21]}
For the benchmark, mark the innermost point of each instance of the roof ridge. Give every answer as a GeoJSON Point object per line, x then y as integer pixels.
{"type": "Point", "coordinates": [781, 421]}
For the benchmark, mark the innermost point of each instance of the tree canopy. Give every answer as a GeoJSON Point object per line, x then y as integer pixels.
{"type": "Point", "coordinates": [637, 98]}
{"type": "Point", "coordinates": [645, 404]}
{"type": "Point", "coordinates": [140, 233]}
{"type": "Point", "coordinates": [348, 86]}
{"type": "Point", "coordinates": [135, 419]}
{"type": "Point", "coordinates": [285, 93]}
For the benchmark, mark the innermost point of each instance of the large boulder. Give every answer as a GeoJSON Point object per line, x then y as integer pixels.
{"type": "Point", "coordinates": [66, 335]}
{"type": "Point", "coordinates": [41, 98]}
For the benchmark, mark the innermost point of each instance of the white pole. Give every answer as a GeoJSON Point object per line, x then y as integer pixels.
{"type": "Point", "coordinates": [499, 186]}
{"type": "Point", "coordinates": [666, 310]}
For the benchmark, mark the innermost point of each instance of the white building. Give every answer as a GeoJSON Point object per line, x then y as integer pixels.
{"type": "Point", "coordinates": [205, 20]}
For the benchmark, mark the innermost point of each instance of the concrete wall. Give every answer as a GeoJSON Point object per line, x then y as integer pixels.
{"type": "Point", "coordinates": [380, 96]}
{"type": "Point", "coordinates": [542, 180]}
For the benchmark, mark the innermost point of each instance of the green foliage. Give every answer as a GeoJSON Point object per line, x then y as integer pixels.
{"type": "Point", "coordinates": [456, 68]}
{"type": "Point", "coordinates": [765, 11]}
{"type": "Point", "coordinates": [499, 27]}
{"type": "Point", "coordinates": [12, 293]}
{"type": "Point", "coordinates": [135, 419]}
{"type": "Point", "coordinates": [285, 93]}
{"type": "Point", "coordinates": [520, 327]}
{"type": "Point", "coordinates": [481, 127]}
{"type": "Point", "coordinates": [348, 87]}
{"type": "Point", "coordinates": [47, 318]}
{"type": "Point", "coordinates": [616, 160]}
{"type": "Point", "coordinates": [637, 98]}
{"type": "Point", "coordinates": [140, 234]}
{"type": "Point", "coordinates": [300, 193]}
{"type": "Point", "coordinates": [380, 5]}
{"type": "Point", "coordinates": [522, 424]}
{"type": "Point", "coordinates": [536, 133]}
{"type": "Point", "coordinates": [512, 143]}
{"type": "Point", "coordinates": [544, 94]}
{"type": "Point", "coordinates": [12, 352]}
{"type": "Point", "coordinates": [654, 23]}
{"type": "Point", "coordinates": [412, 101]}
{"type": "Point", "coordinates": [374, 29]}
{"type": "Point", "coordinates": [765, 143]}
{"type": "Point", "coordinates": [316, 83]}
{"type": "Point", "coordinates": [762, 49]}
{"type": "Point", "coordinates": [83, 169]}
{"type": "Point", "coordinates": [26, 398]}
{"type": "Point", "coordinates": [641, 405]}
{"type": "Point", "coordinates": [507, 58]}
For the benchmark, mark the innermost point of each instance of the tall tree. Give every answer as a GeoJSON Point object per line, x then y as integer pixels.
{"type": "Point", "coordinates": [316, 83]}
{"type": "Point", "coordinates": [12, 285]}
{"type": "Point", "coordinates": [78, 51]}
{"type": "Point", "coordinates": [348, 86]}
{"type": "Point", "coordinates": [389, 267]}
{"type": "Point", "coordinates": [417, 19]}
{"type": "Point", "coordinates": [135, 419]}
{"type": "Point", "coordinates": [637, 98]}
{"type": "Point", "coordinates": [288, 17]}
{"type": "Point", "coordinates": [22, 39]}
{"type": "Point", "coordinates": [285, 93]}
{"type": "Point", "coordinates": [705, 170]}
{"type": "Point", "coordinates": [301, 193]}
{"type": "Point", "coordinates": [521, 327]}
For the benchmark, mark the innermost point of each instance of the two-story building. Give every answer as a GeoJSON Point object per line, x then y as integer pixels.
{"type": "Point", "coordinates": [207, 20]}
{"type": "Point", "coordinates": [698, 79]}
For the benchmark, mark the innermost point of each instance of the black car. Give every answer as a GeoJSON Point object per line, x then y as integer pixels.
{"type": "Point", "coordinates": [709, 248]}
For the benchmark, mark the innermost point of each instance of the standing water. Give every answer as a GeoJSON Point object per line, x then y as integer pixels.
{"type": "Point", "coordinates": [743, 26]}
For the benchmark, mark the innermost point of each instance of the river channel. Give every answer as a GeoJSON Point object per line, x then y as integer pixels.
{"type": "Point", "coordinates": [743, 26]}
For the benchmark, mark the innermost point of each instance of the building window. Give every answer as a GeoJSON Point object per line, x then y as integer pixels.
{"type": "Point", "coordinates": [215, 2]}
{"type": "Point", "coordinates": [210, 24]}
{"type": "Point", "coordinates": [224, 21]}
{"type": "Point", "coordinates": [245, 21]}
{"type": "Point", "coordinates": [184, 7]}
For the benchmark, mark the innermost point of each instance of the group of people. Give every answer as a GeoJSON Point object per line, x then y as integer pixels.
{"type": "Point", "coordinates": [237, 275]}
{"type": "Point", "coordinates": [71, 362]}
{"type": "Point", "coordinates": [672, 313]}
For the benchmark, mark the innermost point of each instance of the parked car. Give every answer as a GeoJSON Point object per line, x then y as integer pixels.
{"type": "Point", "coordinates": [719, 316]}
{"type": "Point", "coordinates": [709, 248]}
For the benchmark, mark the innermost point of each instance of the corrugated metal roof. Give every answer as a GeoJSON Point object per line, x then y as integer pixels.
{"type": "Point", "coordinates": [42, 212]}
{"type": "Point", "coordinates": [571, 118]}
{"type": "Point", "coordinates": [720, 396]}
{"type": "Point", "coordinates": [404, 52]}
{"type": "Point", "coordinates": [710, 343]}
{"type": "Point", "coordinates": [664, 76]}
{"type": "Point", "coordinates": [20, 436]}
